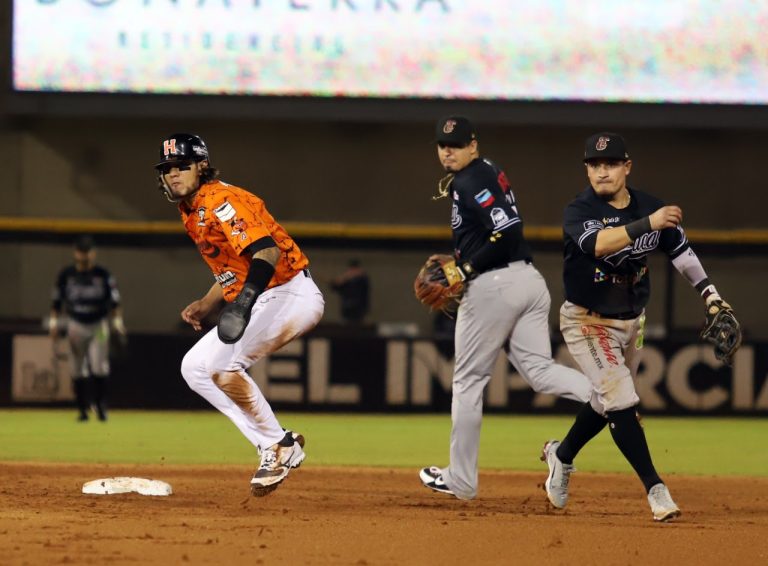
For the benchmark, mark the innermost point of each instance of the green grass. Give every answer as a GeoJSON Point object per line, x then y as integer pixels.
{"type": "Point", "coordinates": [708, 446]}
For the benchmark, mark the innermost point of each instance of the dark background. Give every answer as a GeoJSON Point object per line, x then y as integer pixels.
{"type": "Point", "coordinates": [90, 156]}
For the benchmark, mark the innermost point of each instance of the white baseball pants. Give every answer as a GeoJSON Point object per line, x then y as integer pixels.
{"type": "Point", "coordinates": [606, 351]}
{"type": "Point", "coordinates": [217, 371]}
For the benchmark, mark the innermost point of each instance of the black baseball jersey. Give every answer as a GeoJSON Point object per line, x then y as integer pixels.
{"type": "Point", "coordinates": [616, 284]}
{"type": "Point", "coordinates": [86, 296]}
{"type": "Point", "coordinates": [484, 205]}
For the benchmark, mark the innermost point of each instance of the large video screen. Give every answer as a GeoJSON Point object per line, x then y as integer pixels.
{"type": "Point", "coordinates": [679, 51]}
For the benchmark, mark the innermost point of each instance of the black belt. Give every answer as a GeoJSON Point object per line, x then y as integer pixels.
{"type": "Point", "coordinates": [620, 316]}
{"type": "Point", "coordinates": [503, 265]}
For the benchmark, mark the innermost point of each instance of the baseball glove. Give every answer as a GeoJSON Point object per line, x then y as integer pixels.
{"type": "Point", "coordinates": [440, 284]}
{"type": "Point", "coordinates": [722, 330]}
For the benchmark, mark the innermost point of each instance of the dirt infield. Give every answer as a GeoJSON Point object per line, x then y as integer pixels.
{"type": "Point", "coordinates": [370, 517]}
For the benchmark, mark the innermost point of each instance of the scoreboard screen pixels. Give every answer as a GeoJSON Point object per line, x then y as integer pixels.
{"type": "Point", "coordinates": [688, 51]}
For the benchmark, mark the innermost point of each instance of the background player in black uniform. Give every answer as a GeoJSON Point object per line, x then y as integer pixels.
{"type": "Point", "coordinates": [354, 289]}
{"type": "Point", "coordinates": [609, 229]}
{"type": "Point", "coordinates": [506, 302]}
{"type": "Point", "coordinates": [87, 295]}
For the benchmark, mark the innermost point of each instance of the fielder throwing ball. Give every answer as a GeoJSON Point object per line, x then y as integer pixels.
{"type": "Point", "coordinates": [505, 300]}
{"type": "Point", "coordinates": [609, 230]}
{"type": "Point", "coordinates": [270, 298]}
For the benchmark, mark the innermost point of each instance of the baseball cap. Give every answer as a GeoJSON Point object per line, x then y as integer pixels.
{"type": "Point", "coordinates": [605, 145]}
{"type": "Point", "coordinates": [455, 130]}
{"type": "Point", "coordinates": [84, 243]}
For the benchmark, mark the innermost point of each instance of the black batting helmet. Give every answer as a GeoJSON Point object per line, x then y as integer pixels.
{"type": "Point", "coordinates": [182, 147]}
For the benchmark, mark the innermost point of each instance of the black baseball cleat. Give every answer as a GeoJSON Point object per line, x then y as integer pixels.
{"type": "Point", "coordinates": [101, 412]}
{"type": "Point", "coordinates": [432, 478]}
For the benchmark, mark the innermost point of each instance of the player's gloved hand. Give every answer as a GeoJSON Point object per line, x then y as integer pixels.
{"type": "Point", "coordinates": [721, 328]}
{"type": "Point", "coordinates": [439, 284]}
{"type": "Point", "coordinates": [52, 325]}
{"type": "Point", "coordinates": [118, 325]}
{"type": "Point", "coordinates": [235, 316]}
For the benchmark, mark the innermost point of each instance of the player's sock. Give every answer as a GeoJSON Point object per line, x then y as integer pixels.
{"type": "Point", "coordinates": [586, 426]}
{"type": "Point", "coordinates": [287, 440]}
{"type": "Point", "coordinates": [80, 386]}
{"type": "Point", "coordinates": [99, 395]}
{"type": "Point", "coordinates": [629, 437]}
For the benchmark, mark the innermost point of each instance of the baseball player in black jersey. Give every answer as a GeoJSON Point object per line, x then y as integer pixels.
{"type": "Point", "coordinates": [609, 230]}
{"type": "Point", "coordinates": [506, 302]}
{"type": "Point", "coordinates": [87, 295]}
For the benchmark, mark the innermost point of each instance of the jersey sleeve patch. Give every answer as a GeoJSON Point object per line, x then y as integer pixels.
{"type": "Point", "coordinates": [501, 219]}
{"type": "Point", "coordinates": [593, 225]}
{"type": "Point", "coordinates": [484, 198]}
{"type": "Point", "coordinates": [591, 228]}
{"type": "Point", "coordinates": [225, 212]}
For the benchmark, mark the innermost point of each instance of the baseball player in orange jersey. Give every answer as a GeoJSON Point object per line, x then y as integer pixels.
{"type": "Point", "coordinates": [270, 299]}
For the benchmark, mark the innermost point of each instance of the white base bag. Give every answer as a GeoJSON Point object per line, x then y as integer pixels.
{"type": "Point", "coordinates": [142, 486]}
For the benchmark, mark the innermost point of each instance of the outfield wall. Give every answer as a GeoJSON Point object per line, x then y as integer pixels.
{"type": "Point", "coordinates": [336, 371]}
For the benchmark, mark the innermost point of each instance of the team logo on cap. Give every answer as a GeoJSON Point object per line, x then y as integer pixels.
{"type": "Point", "coordinates": [449, 126]}
{"type": "Point", "coordinates": [169, 147]}
{"type": "Point", "coordinates": [602, 143]}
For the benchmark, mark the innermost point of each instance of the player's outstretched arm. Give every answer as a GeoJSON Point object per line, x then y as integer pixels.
{"type": "Point", "coordinates": [721, 328]}
{"type": "Point", "coordinates": [194, 313]}
{"type": "Point", "coordinates": [666, 217]}
{"type": "Point", "coordinates": [612, 240]}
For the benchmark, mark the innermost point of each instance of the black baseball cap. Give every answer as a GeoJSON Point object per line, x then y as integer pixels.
{"type": "Point", "coordinates": [605, 145]}
{"type": "Point", "coordinates": [84, 243]}
{"type": "Point", "coordinates": [454, 130]}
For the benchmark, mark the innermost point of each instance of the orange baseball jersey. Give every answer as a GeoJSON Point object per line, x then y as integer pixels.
{"type": "Point", "coordinates": [224, 220]}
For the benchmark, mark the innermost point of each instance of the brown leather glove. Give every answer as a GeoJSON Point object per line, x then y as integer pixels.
{"type": "Point", "coordinates": [440, 284]}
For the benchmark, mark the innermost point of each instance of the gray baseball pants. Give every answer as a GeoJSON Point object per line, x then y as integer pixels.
{"type": "Point", "coordinates": [508, 306]}
{"type": "Point", "coordinates": [90, 347]}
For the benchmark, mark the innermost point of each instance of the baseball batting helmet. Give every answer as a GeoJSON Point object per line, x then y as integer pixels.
{"type": "Point", "coordinates": [182, 147]}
